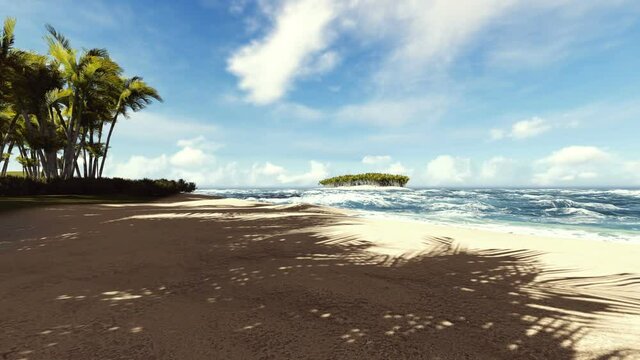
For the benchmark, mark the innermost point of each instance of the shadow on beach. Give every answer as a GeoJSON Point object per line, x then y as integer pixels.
{"type": "Point", "coordinates": [261, 282]}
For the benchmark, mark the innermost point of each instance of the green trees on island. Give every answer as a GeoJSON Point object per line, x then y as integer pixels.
{"type": "Point", "coordinates": [58, 111]}
{"type": "Point", "coordinates": [376, 179]}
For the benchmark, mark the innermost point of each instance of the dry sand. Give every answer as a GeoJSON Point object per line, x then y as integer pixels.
{"type": "Point", "coordinates": [195, 278]}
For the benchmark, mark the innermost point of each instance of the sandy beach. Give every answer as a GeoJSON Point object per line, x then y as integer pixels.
{"type": "Point", "coordinates": [191, 277]}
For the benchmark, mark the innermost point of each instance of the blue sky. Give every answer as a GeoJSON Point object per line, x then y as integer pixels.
{"type": "Point", "coordinates": [286, 92]}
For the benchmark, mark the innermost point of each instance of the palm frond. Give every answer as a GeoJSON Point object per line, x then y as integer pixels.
{"type": "Point", "coordinates": [8, 37]}
{"type": "Point", "coordinates": [58, 37]}
{"type": "Point", "coordinates": [66, 57]}
{"type": "Point", "coordinates": [98, 52]}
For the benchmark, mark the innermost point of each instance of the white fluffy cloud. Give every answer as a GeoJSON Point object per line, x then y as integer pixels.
{"type": "Point", "coordinates": [393, 112]}
{"type": "Point", "coordinates": [267, 67]}
{"type": "Point", "coordinates": [321, 64]}
{"type": "Point", "coordinates": [271, 174]}
{"type": "Point", "coordinates": [522, 129]}
{"type": "Point", "coordinates": [425, 33]}
{"type": "Point", "coordinates": [576, 155]}
{"type": "Point", "coordinates": [421, 38]}
{"type": "Point", "coordinates": [271, 169]}
{"type": "Point", "coordinates": [189, 157]}
{"type": "Point", "coordinates": [264, 173]}
{"type": "Point", "coordinates": [183, 163]}
{"type": "Point", "coordinates": [568, 166]}
{"type": "Point", "coordinates": [194, 153]}
{"type": "Point", "coordinates": [529, 128]}
{"type": "Point", "coordinates": [574, 164]}
{"type": "Point", "coordinates": [317, 172]}
{"type": "Point", "coordinates": [397, 168]}
{"type": "Point", "coordinates": [193, 162]}
{"type": "Point", "coordinates": [382, 163]}
{"type": "Point", "coordinates": [376, 159]}
{"type": "Point", "coordinates": [498, 169]}
{"type": "Point", "coordinates": [448, 170]}
{"type": "Point", "coordinates": [138, 167]}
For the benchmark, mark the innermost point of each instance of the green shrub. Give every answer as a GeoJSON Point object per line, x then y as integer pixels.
{"type": "Point", "coordinates": [15, 186]}
{"type": "Point", "coordinates": [377, 179]}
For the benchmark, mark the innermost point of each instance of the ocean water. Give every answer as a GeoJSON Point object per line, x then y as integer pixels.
{"type": "Point", "coordinates": [596, 214]}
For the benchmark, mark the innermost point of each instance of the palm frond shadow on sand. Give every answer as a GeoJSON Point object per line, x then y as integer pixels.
{"type": "Point", "coordinates": [449, 303]}
{"type": "Point", "coordinates": [268, 283]}
{"type": "Point", "coordinates": [445, 303]}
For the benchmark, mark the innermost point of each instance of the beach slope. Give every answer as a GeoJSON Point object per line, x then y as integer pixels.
{"type": "Point", "coordinates": [199, 278]}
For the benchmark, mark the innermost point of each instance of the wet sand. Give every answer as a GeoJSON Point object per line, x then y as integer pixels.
{"type": "Point", "coordinates": [195, 278]}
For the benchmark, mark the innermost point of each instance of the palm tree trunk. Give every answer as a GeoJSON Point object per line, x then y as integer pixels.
{"type": "Point", "coordinates": [27, 124]}
{"type": "Point", "coordinates": [96, 163]}
{"type": "Point", "coordinates": [25, 156]}
{"type": "Point", "coordinates": [52, 163]}
{"type": "Point", "coordinates": [76, 156]}
{"type": "Point", "coordinates": [5, 138]}
{"type": "Point", "coordinates": [83, 146]}
{"type": "Point", "coordinates": [91, 152]}
{"type": "Point", "coordinates": [6, 161]}
{"type": "Point", "coordinates": [106, 146]}
{"type": "Point", "coordinates": [39, 154]}
{"type": "Point", "coordinates": [62, 122]}
{"type": "Point", "coordinates": [36, 165]}
{"type": "Point", "coordinates": [69, 155]}
{"type": "Point", "coordinates": [84, 160]}
{"type": "Point", "coordinates": [50, 152]}
{"type": "Point", "coordinates": [45, 154]}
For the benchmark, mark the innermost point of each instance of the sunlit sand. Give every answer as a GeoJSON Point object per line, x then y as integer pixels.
{"type": "Point", "coordinates": [192, 276]}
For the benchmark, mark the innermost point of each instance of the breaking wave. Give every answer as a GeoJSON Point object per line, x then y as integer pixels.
{"type": "Point", "coordinates": [604, 214]}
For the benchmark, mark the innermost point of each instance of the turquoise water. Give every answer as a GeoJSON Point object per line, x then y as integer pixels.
{"type": "Point", "coordinates": [599, 214]}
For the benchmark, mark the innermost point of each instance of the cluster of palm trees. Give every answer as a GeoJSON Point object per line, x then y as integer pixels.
{"type": "Point", "coordinates": [58, 111]}
{"type": "Point", "coordinates": [376, 179]}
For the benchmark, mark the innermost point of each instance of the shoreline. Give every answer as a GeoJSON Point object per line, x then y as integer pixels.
{"type": "Point", "coordinates": [560, 231]}
{"type": "Point", "coordinates": [194, 276]}
{"type": "Point", "coordinates": [499, 238]}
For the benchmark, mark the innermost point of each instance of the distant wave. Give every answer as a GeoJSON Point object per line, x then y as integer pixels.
{"type": "Point", "coordinates": [634, 193]}
{"type": "Point", "coordinates": [605, 214]}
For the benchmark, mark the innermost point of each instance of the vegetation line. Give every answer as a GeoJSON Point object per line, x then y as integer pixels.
{"type": "Point", "coordinates": [16, 186]}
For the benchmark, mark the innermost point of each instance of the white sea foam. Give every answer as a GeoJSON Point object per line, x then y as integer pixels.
{"type": "Point", "coordinates": [625, 192]}
{"type": "Point", "coordinates": [456, 219]}
{"type": "Point", "coordinates": [602, 206]}
{"type": "Point", "coordinates": [584, 213]}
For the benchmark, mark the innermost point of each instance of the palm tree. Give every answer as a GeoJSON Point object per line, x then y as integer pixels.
{"type": "Point", "coordinates": [7, 125]}
{"type": "Point", "coordinates": [8, 54]}
{"type": "Point", "coordinates": [58, 104]}
{"type": "Point", "coordinates": [33, 85]}
{"type": "Point", "coordinates": [9, 57]}
{"type": "Point", "coordinates": [135, 95]}
{"type": "Point", "coordinates": [89, 76]}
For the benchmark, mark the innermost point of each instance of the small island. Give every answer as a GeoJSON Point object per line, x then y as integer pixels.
{"type": "Point", "coordinates": [374, 179]}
